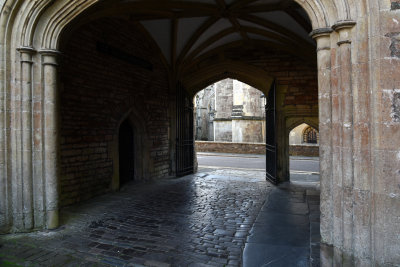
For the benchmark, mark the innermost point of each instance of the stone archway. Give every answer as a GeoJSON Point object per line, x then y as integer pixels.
{"type": "Point", "coordinates": [36, 35]}
{"type": "Point", "coordinates": [255, 77]}
{"type": "Point", "coordinates": [354, 196]}
{"type": "Point", "coordinates": [291, 122]}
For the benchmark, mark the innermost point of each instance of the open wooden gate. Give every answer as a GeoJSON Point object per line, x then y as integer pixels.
{"type": "Point", "coordinates": [184, 132]}
{"type": "Point", "coordinates": [270, 138]}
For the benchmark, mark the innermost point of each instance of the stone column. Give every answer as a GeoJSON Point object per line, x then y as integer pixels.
{"type": "Point", "coordinates": [281, 135]}
{"type": "Point", "coordinates": [49, 72]}
{"type": "Point", "coordinates": [4, 179]}
{"type": "Point", "coordinates": [346, 113]}
{"type": "Point", "coordinates": [26, 134]}
{"type": "Point", "coordinates": [322, 37]}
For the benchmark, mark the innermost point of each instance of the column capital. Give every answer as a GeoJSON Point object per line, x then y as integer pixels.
{"type": "Point", "coordinates": [26, 53]}
{"type": "Point", "coordinates": [49, 52]}
{"type": "Point", "coordinates": [321, 32]}
{"type": "Point", "coordinates": [344, 27]}
{"type": "Point", "coordinates": [322, 36]}
{"type": "Point", "coordinates": [343, 24]}
{"type": "Point", "coordinates": [26, 49]}
{"type": "Point", "coordinates": [50, 56]}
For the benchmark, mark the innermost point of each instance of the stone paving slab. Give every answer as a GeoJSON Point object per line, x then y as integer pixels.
{"type": "Point", "coordinates": [286, 231]}
{"type": "Point", "coordinates": [258, 254]}
{"type": "Point", "coordinates": [197, 220]}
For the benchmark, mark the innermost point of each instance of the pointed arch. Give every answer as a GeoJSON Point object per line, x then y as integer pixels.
{"type": "Point", "coordinates": [310, 121]}
{"type": "Point", "coordinates": [140, 144]}
{"type": "Point", "coordinates": [246, 73]}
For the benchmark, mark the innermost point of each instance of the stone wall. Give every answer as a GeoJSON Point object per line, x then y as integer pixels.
{"type": "Point", "coordinates": [248, 131]}
{"type": "Point", "coordinates": [223, 130]}
{"type": "Point", "coordinates": [304, 150]}
{"type": "Point", "coordinates": [229, 147]}
{"type": "Point", "coordinates": [204, 102]}
{"type": "Point", "coordinates": [296, 77]}
{"type": "Point", "coordinates": [252, 148]}
{"type": "Point", "coordinates": [224, 100]}
{"type": "Point", "coordinates": [98, 92]}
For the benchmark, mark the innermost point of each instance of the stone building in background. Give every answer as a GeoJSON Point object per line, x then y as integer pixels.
{"type": "Point", "coordinates": [304, 134]}
{"type": "Point", "coordinates": [204, 102]}
{"type": "Point", "coordinates": [230, 111]}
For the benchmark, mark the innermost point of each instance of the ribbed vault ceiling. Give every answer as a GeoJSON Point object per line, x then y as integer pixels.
{"type": "Point", "coordinates": [188, 29]}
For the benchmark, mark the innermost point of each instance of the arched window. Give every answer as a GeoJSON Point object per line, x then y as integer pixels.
{"type": "Point", "coordinates": [310, 136]}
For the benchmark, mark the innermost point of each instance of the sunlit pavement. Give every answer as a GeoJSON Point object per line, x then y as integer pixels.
{"type": "Point", "coordinates": [207, 219]}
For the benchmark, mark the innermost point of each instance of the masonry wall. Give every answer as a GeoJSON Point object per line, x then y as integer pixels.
{"type": "Point", "coordinates": [98, 92]}
{"type": "Point", "coordinates": [383, 192]}
{"type": "Point", "coordinates": [204, 113]}
{"type": "Point", "coordinates": [304, 150]}
{"type": "Point", "coordinates": [297, 75]}
{"type": "Point", "coordinates": [248, 131]}
{"type": "Point", "coordinates": [229, 147]}
{"type": "Point", "coordinates": [252, 148]}
{"type": "Point", "coordinates": [223, 130]}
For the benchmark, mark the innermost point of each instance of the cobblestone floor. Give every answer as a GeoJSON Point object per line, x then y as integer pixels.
{"type": "Point", "coordinates": [197, 220]}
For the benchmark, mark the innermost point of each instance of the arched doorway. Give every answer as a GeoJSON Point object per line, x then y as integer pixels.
{"type": "Point", "coordinates": [126, 151]}
{"type": "Point", "coordinates": [304, 154]}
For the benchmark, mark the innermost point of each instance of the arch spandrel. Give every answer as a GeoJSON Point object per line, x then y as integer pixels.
{"type": "Point", "coordinates": [56, 18]}
{"type": "Point", "coordinates": [310, 121]}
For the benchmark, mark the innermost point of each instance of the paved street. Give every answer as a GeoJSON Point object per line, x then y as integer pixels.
{"type": "Point", "coordinates": [250, 161]}
{"type": "Point", "coordinates": [218, 217]}
{"type": "Point", "coordinates": [198, 220]}
{"type": "Point", "coordinates": [303, 170]}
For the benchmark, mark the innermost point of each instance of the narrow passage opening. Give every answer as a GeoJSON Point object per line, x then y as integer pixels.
{"type": "Point", "coordinates": [304, 154]}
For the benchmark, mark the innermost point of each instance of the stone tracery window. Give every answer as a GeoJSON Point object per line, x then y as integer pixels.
{"type": "Point", "coordinates": [310, 135]}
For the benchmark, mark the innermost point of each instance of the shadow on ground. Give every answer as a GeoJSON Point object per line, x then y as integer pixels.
{"type": "Point", "coordinates": [207, 219]}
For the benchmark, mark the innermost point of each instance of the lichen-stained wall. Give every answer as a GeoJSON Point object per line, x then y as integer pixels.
{"type": "Point", "coordinates": [248, 100]}
{"type": "Point", "coordinates": [223, 111]}
{"type": "Point", "coordinates": [248, 131]}
{"type": "Point", "coordinates": [384, 79]}
{"type": "Point", "coordinates": [223, 99]}
{"type": "Point", "coordinates": [223, 130]}
{"type": "Point", "coordinates": [98, 92]}
{"type": "Point", "coordinates": [204, 103]}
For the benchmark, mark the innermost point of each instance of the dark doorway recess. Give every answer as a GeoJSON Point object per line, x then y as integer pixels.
{"type": "Point", "coordinates": [184, 128]}
{"type": "Point", "coordinates": [126, 153]}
